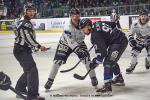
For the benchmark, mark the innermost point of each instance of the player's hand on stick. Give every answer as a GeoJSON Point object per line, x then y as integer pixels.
{"type": "Point", "coordinates": [95, 62]}
{"type": "Point", "coordinates": [133, 43]}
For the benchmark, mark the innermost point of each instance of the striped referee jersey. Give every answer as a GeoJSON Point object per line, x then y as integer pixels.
{"type": "Point", "coordinates": [24, 33]}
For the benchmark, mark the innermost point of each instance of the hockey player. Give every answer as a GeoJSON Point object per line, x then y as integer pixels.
{"type": "Point", "coordinates": [141, 29]}
{"type": "Point", "coordinates": [72, 40]}
{"type": "Point", "coordinates": [114, 17]}
{"type": "Point", "coordinates": [4, 81]}
{"type": "Point", "coordinates": [24, 42]}
{"type": "Point", "coordinates": [109, 43]}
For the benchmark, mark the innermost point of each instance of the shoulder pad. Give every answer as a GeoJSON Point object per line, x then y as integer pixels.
{"type": "Point", "coordinates": [97, 25]}
{"type": "Point", "coordinates": [67, 27]}
{"type": "Point", "coordinates": [15, 23]}
{"type": "Point", "coordinates": [27, 24]}
{"type": "Point", "coordinates": [148, 23]}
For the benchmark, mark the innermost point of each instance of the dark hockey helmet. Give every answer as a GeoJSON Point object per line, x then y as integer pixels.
{"type": "Point", "coordinates": [74, 11]}
{"type": "Point", "coordinates": [143, 12]}
{"type": "Point", "coordinates": [28, 6]}
{"type": "Point", "coordinates": [85, 22]}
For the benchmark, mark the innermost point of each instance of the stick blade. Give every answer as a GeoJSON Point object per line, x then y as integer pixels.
{"type": "Point", "coordinates": [78, 77]}
{"type": "Point", "coordinates": [64, 71]}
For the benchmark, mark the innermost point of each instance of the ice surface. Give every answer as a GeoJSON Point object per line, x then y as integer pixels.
{"type": "Point", "coordinates": [65, 86]}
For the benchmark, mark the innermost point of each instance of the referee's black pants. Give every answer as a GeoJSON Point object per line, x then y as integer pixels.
{"type": "Point", "coordinates": [29, 78]}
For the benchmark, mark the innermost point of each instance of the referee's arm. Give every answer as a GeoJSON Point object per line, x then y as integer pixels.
{"type": "Point", "coordinates": [29, 38]}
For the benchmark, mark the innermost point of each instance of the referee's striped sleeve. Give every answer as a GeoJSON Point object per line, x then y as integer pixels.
{"type": "Point", "coordinates": [30, 39]}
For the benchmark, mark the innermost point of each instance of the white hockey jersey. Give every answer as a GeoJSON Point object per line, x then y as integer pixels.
{"type": "Point", "coordinates": [142, 32]}
{"type": "Point", "coordinates": [72, 36]}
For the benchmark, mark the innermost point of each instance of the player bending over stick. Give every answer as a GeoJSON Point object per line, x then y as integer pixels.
{"type": "Point", "coordinates": [72, 40]}
{"type": "Point", "coordinates": [109, 44]}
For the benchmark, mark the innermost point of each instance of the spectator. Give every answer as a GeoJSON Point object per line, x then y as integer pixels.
{"type": "Point", "coordinates": [13, 10]}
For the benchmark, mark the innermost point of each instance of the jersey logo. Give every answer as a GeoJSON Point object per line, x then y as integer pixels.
{"type": "Point", "coordinates": [103, 26]}
{"type": "Point", "coordinates": [106, 27]}
{"type": "Point", "coordinates": [67, 32]}
{"type": "Point", "coordinates": [28, 25]}
{"type": "Point", "coordinates": [114, 55]}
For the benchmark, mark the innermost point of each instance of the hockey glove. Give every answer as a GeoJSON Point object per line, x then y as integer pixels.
{"type": "Point", "coordinates": [139, 45]}
{"type": "Point", "coordinates": [147, 44]}
{"type": "Point", "coordinates": [133, 43]}
{"type": "Point", "coordinates": [81, 52]}
{"type": "Point", "coordinates": [96, 61]}
{"type": "Point", "coordinates": [4, 81]}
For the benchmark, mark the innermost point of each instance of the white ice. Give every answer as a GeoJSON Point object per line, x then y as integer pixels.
{"type": "Point", "coordinates": [137, 84]}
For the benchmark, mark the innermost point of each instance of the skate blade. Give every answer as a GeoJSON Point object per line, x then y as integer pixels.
{"type": "Point", "coordinates": [129, 72]}
{"type": "Point", "coordinates": [47, 90]}
{"type": "Point", "coordinates": [106, 94]}
{"type": "Point", "coordinates": [19, 97]}
{"type": "Point", "coordinates": [119, 84]}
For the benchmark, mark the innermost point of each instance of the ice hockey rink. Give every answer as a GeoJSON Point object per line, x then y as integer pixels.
{"type": "Point", "coordinates": [65, 86]}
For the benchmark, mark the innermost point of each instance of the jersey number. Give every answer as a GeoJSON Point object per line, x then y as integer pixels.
{"type": "Point", "coordinates": [106, 27]}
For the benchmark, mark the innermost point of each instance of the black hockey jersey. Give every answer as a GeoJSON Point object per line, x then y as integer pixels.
{"type": "Point", "coordinates": [104, 34]}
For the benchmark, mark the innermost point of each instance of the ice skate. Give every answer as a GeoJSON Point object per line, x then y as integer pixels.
{"type": "Point", "coordinates": [94, 82]}
{"type": "Point", "coordinates": [106, 90]}
{"type": "Point", "coordinates": [147, 64]}
{"type": "Point", "coordinates": [118, 81]}
{"type": "Point", "coordinates": [48, 84]}
{"type": "Point", "coordinates": [131, 68]}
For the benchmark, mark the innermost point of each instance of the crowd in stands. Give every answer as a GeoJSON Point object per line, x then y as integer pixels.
{"type": "Point", "coordinates": [60, 8]}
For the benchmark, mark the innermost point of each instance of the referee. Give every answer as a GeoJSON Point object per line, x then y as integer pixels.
{"type": "Point", "coordinates": [114, 17]}
{"type": "Point", "coordinates": [25, 40]}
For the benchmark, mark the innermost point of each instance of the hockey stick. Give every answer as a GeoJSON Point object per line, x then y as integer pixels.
{"type": "Point", "coordinates": [18, 93]}
{"type": "Point", "coordinates": [67, 70]}
{"type": "Point", "coordinates": [36, 50]}
{"type": "Point", "coordinates": [81, 77]}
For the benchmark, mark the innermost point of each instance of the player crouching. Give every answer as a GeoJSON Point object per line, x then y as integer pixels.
{"type": "Point", "coordinates": [109, 43]}
{"type": "Point", "coordinates": [141, 28]}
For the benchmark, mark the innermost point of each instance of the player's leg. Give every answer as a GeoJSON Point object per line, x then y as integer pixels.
{"type": "Point", "coordinates": [133, 62]}
{"type": "Point", "coordinates": [118, 80]}
{"type": "Point", "coordinates": [114, 53]}
{"type": "Point", "coordinates": [117, 51]}
{"type": "Point", "coordinates": [86, 60]}
{"type": "Point", "coordinates": [106, 90]}
{"type": "Point", "coordinates": [53, 73]}
{"type": "Point", "coordinates": [92, 74]}
{"type": "Point", "coordinates": [134, 56]}
{"type": "Point", "coordinates": [60, 58]}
